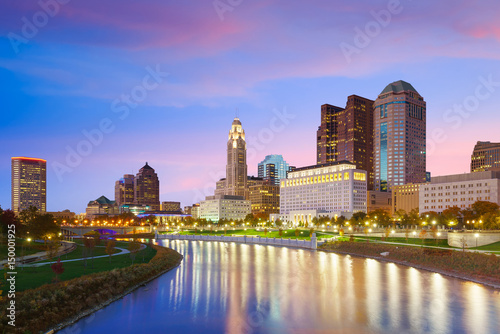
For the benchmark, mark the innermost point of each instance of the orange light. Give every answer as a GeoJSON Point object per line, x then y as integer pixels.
{"type": "Point", "coordinates": [26, 158]}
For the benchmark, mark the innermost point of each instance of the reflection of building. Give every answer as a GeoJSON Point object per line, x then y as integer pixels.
{"type": "Point", "coordinates": [399, 141]}
{"type": "Point", "coordinates": [101, 207]}
{"type": "Point", "coordinates": [265, 198]}
{"type": "Point", "coordinates": [124, 190]}
{"type": "Point", "coordinates": [485, 156]}
{"type": "Point", "coordinates": [171, 206]}
{"type": "Point", "coordinates": [229, 207]}
{"type": "Point", "coordinates": [332, 189]}
{"type": "Point", "coordinates": [273, 168]}
{"type": "Point", "coordinates": [405, 197]}
{"type": "Point", "coordinates": [378, 200]}
{"type": "Point", "coordinates": [460, 190]}
{"type": "Point", "coordinates": [29, 187]}
{"type": "Point", "coordinates": [147, 188]}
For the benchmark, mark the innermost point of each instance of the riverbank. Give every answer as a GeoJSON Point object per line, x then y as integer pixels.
{"type": "Point", "coordinates": [475, 267]}
{"type": "Point", "coordinates": [58, 305]}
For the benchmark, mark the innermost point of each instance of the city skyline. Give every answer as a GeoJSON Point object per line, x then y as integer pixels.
{"type": "Point", "coordinates": [57, 91]}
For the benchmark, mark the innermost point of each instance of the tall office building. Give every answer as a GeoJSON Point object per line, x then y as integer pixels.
{"type": "Point", "coordinates": [399, 141]}
{"type": "Point", "coordinates": [124, 190]}
{"type": "Point", "coordinates": [485, 156]}
{"type": "Point", "coordinates": [29, 184]}
{"type": "Point", "coordinates": [147, 188]}
{"type": "Point", "coordinates": [273, 168]}
{"type": "Point", "coordinates": [347, 134]}
{"type": "Point", "coordinates": [236, 168]}
{"type": "Point", "coordinates": [327, 134]}
{"type": "Point", "coordinates": [355, 135]}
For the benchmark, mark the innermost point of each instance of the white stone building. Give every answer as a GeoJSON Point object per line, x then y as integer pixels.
{"type": "Point", "coordinates": [460, 190]}
{"type": "Point", "coordinates": [332, 189]}
{"type": "Point", "coordinates": [229, 207]}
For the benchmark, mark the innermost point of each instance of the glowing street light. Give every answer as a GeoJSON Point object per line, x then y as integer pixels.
{"type": "Point", "coordinates": [477, 236]}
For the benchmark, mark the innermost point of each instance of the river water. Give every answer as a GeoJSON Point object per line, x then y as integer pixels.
{"type": "Point", "coordinates": [239, 288]}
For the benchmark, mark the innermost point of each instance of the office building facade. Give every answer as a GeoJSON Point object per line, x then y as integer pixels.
{"type": "Point", "coordinates": [124, 190]}
{"type": "Point", "coordinates": [236, 168]}
{"type": "Point", "coordinates": [399, 140]}
{"type": "Point", "coordinates": [147, 188]}
{"type": "Point", "coordinates": [486, 156]}
{"type": "Point", "coordinates": [273, 168]}
{"type": "Point", "coordinates": [405, 197]}
{"type": "Point", "coordinates": [171, 206]}
{"type": "Point", "coordinates": [460, 190]}
{"type": "Point", "coordinates": [215, 208]}
{"type": "Point", "coordinates": [265, 199]}
{"type": "Point", "coordinates": [28, 184]}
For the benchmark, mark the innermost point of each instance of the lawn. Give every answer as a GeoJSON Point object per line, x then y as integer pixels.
{"type": "Point", "coordinates": [491, 247]}
{"type": "Point", "coordinates": [81, 251]}
{"type": "Point", "coordinates": [29, 248]}
{"type": "Point", "coordinates": [411, 241]}
{"type": "Point", "coordinates": [32, 277]}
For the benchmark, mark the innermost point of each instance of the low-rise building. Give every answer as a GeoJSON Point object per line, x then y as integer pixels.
{"type": "Point", "coordinates": [378, 200]}
{"type": "Point", "coordinates": [405, 197]}
{"type": "Point", "coordinates": [101, 207]}
{"type": "Point", "coordinates": [171, 206]}
{"type": "Point", "coordinates": [195, 211]}
{"type": "Point", "coordinates": [215, 208]}
{"type": "Point", "coordinates": [331, 189]}
{"type": "Point", "coordinates": [460, 190]}
{"type": "Point", "coordinates": [66, 215]}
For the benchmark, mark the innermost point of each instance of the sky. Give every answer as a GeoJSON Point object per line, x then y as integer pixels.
{"type": "Point", "coordinates": [99, 88]}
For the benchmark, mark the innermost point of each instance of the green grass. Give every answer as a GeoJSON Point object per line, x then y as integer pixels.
{"type": "Point", "coordinates": [79, 252]}
{"type": "Point", "coordinates": [29, 248]}
{"type": "Point", "coordinates": [411, 241]}
{"type": "Point", "coordinates": [32, 277]}
{"type": "Point", "coordinates": [303, 234]}
{"type": "Point", "coordinates": [491, 247]}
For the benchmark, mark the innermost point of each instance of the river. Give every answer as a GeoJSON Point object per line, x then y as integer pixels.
{"type": "Point", "coordinates": [239, 288]}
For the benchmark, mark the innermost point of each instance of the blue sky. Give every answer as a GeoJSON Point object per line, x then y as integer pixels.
{"type": "Point", "coordinates": [263, 57]}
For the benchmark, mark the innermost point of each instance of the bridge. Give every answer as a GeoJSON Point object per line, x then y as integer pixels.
{"type": "Point", "coordinates": [82, 230]}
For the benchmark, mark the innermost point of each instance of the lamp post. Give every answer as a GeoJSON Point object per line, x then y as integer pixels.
{"type": "Point", "coordinates": [477, 236]}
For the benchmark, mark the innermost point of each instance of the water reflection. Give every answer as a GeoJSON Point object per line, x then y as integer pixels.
{"type": "Point", "coordinates": [234, 288]}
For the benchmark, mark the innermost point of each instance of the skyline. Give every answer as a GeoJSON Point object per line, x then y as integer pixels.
{"type": "Point", "coordinates": [56, 87]}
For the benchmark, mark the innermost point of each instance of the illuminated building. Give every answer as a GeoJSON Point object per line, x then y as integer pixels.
{"type": "Point", "coordinates": [29, 184]}
{"type": "Point", "coordinates": [147, 188]}
{"type": "Point", "coordinates": [346, 134]}
{"type": "Point", "coordinates": [171, 206]}
{"type": "Point", "coordinates": [399, 141]}
{"type": "Point", "coordinates": [236, 168]}
{"type": "Point", "coordinates": [332, 189]}
{"type": "Point", "coordinates": [378, 200]}
{"type": "Point", "coordinates": [101, 207]}
{"type": "Point", "coordinates": [218, 207]}
{"type": "Point", "coordinates": [124, 190]}
{"type": "Point", "coordinates": [265, 198]}
{"type": "Point", "coordinates": [273, 168]}
{"type": "Point", "coordinates": [485, 156]}
{"type": "Point", "coordinates": [405, 197]}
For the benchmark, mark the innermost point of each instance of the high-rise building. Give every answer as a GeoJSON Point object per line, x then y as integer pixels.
{"type": "Point", "coordinates": [29, 184]}
{"type": "Point", "coordinates": [265, 198]}
{"type": "Point", "coordinates": [273, 168]}
{"type": "Point", "coordinates": [124, 190]}
{"type": "Point", "coordinates": [347, 134]}
{"type": "Point", "coordinates": [399, 141]}
{"type": "Point", "coordinates": [327, 134]}
{"type": "Point", "coordinates": [236, 168]}
{"type": "Point", "coordinates": [215, 208]}
{"type": "Point", "coordinates": [147, 188]}
{"type": "Point", "coordinates": [355, 135]}
{"type": "Point", "coordinates": [485, 156]}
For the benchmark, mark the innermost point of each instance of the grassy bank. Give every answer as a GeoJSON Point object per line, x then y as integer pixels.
{"type": "Point", "coordinates": [28, 248]}
{"type": "Point", "coordinates": [49, 305]}
{"type": "Point", "coordinates": [468, 265]}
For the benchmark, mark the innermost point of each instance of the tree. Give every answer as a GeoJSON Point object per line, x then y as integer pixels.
{"type": "Point", "coordinates": [483, 207]}
{"type": "Point", "coordinates": [297, 232]}
{"type": "Point", "coordinates": [8, 218]}
{"type": "Point", "coordinates": [42, 225]}
{"type": "Point", "coordinates": [265, 232]}
{"type": "Point", "coordinates": [491, 221]}
{"type": "Point", "coordinates": [133, 247]}
{"type": "Point", "coordinates": [280, 232]}
{"type": "Point", "coordinates": [407, 234]}
{"type": "Point", "coordinates": [311, 231]}
{"type": "Point", "coordinates": [383, 217]}
{"type": "Point", "coordinates": [451, 215]}
{"type": "Point", "coordinates": [358, 217]}
{"type": "Point", "coordinates": [57, 268]}
{"type": "Point", "coordinates": [423, 234]}
{"type": "Point", "coordinates": [110, 248]}
{"type": "Point", "coordinates": [52, 247]}
{"type": "Point", "coordinates": [89, 244]}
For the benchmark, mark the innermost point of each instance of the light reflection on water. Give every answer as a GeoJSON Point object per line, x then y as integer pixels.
{"type": "Point", "coordinates": [235, 288]}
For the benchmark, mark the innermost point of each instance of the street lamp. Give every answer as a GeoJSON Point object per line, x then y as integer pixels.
{"type": "Point", "coordinates": [477, 236]}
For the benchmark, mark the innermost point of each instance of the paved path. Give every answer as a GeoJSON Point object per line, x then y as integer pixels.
{"type": "Point", "coordinates": [63, 249]}
{"type": "Point", "coordinates": [122, 252]}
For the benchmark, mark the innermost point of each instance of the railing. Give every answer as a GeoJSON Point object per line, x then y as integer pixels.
{"type": "Point", "coordinates": [298, 243]}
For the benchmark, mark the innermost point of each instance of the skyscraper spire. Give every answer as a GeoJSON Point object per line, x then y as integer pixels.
{"type": "Point", "coordinates": [236, 169]}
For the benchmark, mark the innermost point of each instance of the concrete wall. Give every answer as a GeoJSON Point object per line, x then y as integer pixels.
{"type": "Point", "coordinates": [308, 244]}
{"type": "Point", "coordinates": [455, 239]}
